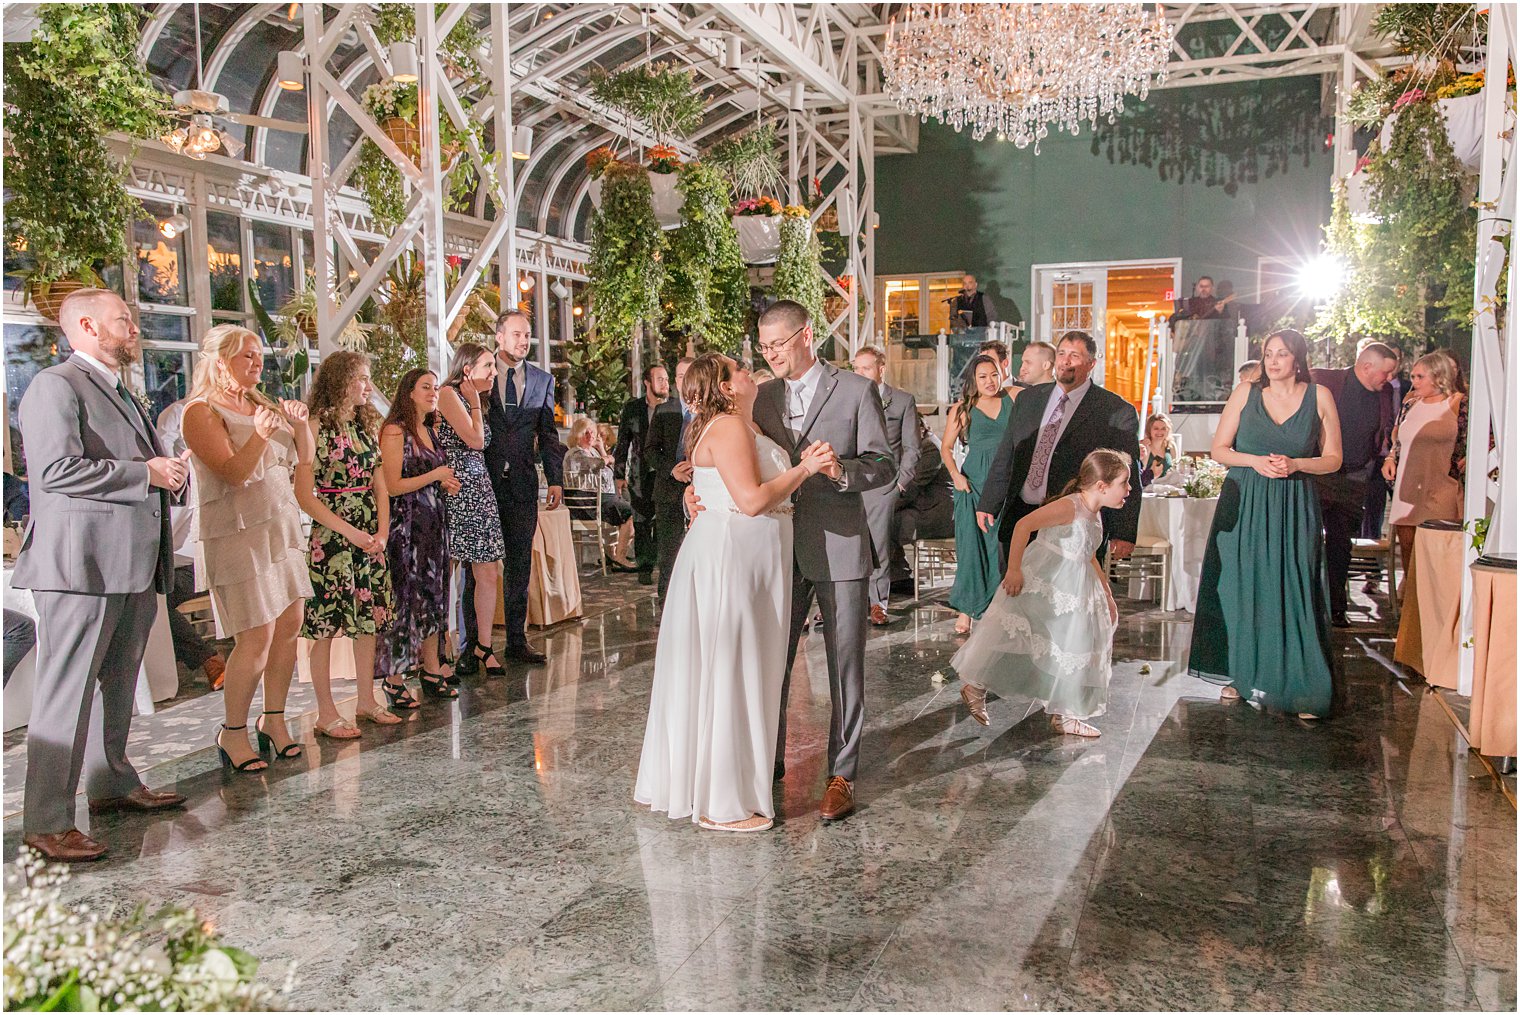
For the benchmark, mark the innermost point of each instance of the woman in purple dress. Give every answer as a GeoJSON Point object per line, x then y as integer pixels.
{"type": "Point", "coordinates": [418, 476]}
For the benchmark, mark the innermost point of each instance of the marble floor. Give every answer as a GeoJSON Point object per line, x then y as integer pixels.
{"type": "Point", "coordinates": [487, 855]}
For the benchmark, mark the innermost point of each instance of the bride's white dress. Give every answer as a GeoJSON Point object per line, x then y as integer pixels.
{"type": "Point", "coordinates": [710, 742]}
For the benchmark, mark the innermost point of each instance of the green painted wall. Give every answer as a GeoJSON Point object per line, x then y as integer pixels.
{"type": "Point", "coordinates": [993, 209]}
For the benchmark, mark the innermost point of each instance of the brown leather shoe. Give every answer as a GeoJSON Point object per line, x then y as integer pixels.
{"type": "Point", "coordinates": [976, 700]}
{"type": "Point", "coordinates": [879, 616]}
{"type": "Point", "coordinates": [216, 672]}
{"type": "Point", "coordinates": [140, 799]}
{"type": "Point", "coordinates": [838, 799]}
{"type": "Point", "coordinates": [72, 846]}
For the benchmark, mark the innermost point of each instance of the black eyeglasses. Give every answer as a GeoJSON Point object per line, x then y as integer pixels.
{"type": "Point", "coordinates": [766, 348]}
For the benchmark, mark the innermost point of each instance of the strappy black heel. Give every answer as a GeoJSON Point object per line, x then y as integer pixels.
{"type": "Point", "coordinates": [227, 765]}
{"type": "Point", "coordinates": [479, 654]}
{"type": "Point", "coordinates": [399, 695]}
{"type": "Point", "coordinates": [267, 743]}
{"type": "Point", "coordinates": [436, 685]}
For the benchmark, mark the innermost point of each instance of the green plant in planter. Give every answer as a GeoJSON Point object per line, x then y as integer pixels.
{"type": "Point", "coordinates": [663, 95]}
{"type": "Point", "coordinates": [627, 246]}
{"type": "Point", "coordinates": [707, 284]}
{"type": "Point", "coordinates": [1437, 32]}
{"type": "Point", "coordinates": [78, 79]}
{"type": "Point", "coordinates": [751, 161]}
{"type": "Point", "coordinates": [598, 371]}
{"type": "Point", "coordinates": [398, 341]}
{"type": "Point", "coordinates": [799, 276]}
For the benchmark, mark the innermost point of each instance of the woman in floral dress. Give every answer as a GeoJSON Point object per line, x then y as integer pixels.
{"type": "Point", "coordinates": [344, 493]}
{"type": "Point", "coordinates": [418, 477]}
{"type": "Point", "coordinates": [475, 539]}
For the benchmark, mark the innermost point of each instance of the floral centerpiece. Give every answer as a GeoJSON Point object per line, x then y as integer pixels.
{"type": "Point", "coordinates": [1207, 479]}
{"type": "Point", "coordinates": [69, 958]}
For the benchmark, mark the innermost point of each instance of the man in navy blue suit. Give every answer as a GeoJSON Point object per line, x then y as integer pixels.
{"type": "Point", "coordinates": [521, 414]}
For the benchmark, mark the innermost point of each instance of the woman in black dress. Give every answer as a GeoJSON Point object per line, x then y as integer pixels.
{"type": "Point", "coordinates": [418, 476]}
{"type": "Point", "coordinates": [475, 538]}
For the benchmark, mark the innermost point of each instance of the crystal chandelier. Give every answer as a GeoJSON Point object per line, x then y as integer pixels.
{"type": "Point", "coordinates": [1014, 69]}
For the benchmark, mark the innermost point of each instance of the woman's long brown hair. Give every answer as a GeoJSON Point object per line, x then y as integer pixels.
{"type": "Point", "coordinates": [702, 389]}
{"type": "Point", "coordinates": [403, 409]}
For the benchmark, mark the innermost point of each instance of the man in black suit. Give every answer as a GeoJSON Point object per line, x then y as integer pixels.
{"type": "Point", "coordinates": [521, 413]}
{"type": "Point", "coordinates": [632, 469]}
{"type": "Point", "coordinates": [1054, 427]}
{"type": "Point", "coordinates": [666, 455]}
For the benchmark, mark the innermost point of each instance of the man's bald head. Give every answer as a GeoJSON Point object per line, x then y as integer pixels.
{"type": "Point", "coordinates": [99, 323]}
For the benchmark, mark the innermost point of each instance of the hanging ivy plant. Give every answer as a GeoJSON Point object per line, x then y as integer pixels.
{"type": "Point", "coordinates": [707, 283]}
{"type": "Point", "coordinates": [751, 161]}
{"type": "Point", "coordinates": [799, 276]}
{"type": "Point", "coordinates": [662, 95]}
{"type": "Point", "coordinates": [627, 273]}
{"type": "Point", "coordinates": [382, 182]}
{"type": "Point", "coordinates": [78, 79]}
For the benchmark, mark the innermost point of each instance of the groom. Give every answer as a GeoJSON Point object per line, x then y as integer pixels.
{"type": "Point", "coordinates": [811, 400]}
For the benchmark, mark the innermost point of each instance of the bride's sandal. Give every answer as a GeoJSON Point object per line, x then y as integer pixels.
{"type": "Point", "coordinates": [1067, 726]}
{"type": "Point", "coordinates": [753, 823]}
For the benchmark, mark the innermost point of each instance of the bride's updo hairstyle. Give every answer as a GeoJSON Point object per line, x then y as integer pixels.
{"type": "Point", "coordinates": [702, 390]}
{"type": "Point", "coordinates": [1102, 466]}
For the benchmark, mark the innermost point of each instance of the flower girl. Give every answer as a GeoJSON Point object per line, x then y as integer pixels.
{"type": "Point", "coordinates": [1049, 631]}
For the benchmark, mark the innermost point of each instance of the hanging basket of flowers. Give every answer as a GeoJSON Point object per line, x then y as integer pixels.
{"type": "Point", "coordinates": [664, 166]}
{"type": "Point", "coordinates": [48, 297]}
{"type": "Point", "coordinates": [597, 161]}
{"type": "Point", "coordinates": [758, 222]}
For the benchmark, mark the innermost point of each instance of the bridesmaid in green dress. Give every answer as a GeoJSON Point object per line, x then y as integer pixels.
{"type": "Point", "coordinates": [1263, 623]}
{"type": "Point", "coordinates": [979, 418]}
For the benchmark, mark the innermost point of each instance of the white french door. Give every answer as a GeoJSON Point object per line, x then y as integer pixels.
{"type": "Point", "coordinates": [1073, 299]}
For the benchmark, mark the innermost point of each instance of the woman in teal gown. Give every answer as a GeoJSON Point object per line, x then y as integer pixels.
{"type": "Point", "coordinates": [980, 418]}
{"type": "Point", "coordinates": [1263, 623]}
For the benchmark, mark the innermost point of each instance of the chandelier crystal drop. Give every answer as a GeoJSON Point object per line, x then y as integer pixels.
{"type": "Point", "coordinates": [1014, 69]}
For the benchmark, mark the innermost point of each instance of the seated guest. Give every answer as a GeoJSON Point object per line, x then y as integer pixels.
{"type": "Point", "coordinates": [588, 468]}
{"type": "Point", "coordinates": [1365, 405]}
{"type": "Point", "coordinates": [418, 478]}
{"type": "Point", "coordinates": [1037, 364]}
{"type": "Point", "coordinates": [1428, 462]}
{"type": "Point", "coordinates": [926, 510]}
{"type": "Point", "coordinates": [20, 637]}
{"type": "Point", "coordinates": [1250, 371]}
{"type": "Point", "coordinates": [343, 490]}
{"type": "Point", "coordinates": [606, 437]}
{"type": "Point", "coordinates": [190, 649]}
{"type": "Point", "coordinates": [1156, 450]}
{"type": "Point", "coordinates": [251, 552]}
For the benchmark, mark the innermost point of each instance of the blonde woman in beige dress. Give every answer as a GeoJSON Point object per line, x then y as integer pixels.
{"type": "Point", "coordinates": [250, 551]}
{"type": "Point", "coordinates": [1429, 453]}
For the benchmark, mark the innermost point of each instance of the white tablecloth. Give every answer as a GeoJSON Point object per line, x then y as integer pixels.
{"type": "Point", "coordinates": [1184, 522]}
{"type": "Point", "coordinates": [157, 679]}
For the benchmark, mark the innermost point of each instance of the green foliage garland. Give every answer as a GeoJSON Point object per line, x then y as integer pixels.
{"type": "Point", "coordinates": [77, 80]}
{"type": "Point", "coordinates": [707, 286]}
{"type": "Point", "coordinates": [627, 273]}
{"type": "Point", "coordinates": [798, 274]}
{"type": "Point", "coordinates": [663, 95]}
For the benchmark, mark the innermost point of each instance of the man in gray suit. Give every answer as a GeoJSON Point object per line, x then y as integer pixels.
{"type": "Point", "coordinates": [96, 554]}
{"type": "Point", "coordinates": [901, 415]}
{"type": "Point", "coordinates": [811, 400]}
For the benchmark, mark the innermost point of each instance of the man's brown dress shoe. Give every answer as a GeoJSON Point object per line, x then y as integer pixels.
{"type": "Point", "coordinates": [140, 799]}
{"type": "Point", "coordinates": [976, 700]}
{"type": "Point", "coordinates": [72, 846]}
{"type": "Point", "coordinates": [879, 615]}
{"type": "Point", "coordinates": [838, 799]}
{"type": "Point", "coordinates": [216, 672]}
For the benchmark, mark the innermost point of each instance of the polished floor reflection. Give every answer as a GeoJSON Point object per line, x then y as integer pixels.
{"type": "Point", "coordinates": [487, 854]}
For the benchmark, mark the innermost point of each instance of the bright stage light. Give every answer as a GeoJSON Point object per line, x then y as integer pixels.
{"type": "Point", "coordinates": [1322, 278]}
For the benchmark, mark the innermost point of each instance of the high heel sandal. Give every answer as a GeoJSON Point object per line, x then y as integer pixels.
{"type": "Point", "coordinates": [976, 700]}
{"type": "Point", "coordinates": [267, 743]}
{"type": "Point", "coordinates": [400, 696]}
{"type": "Point", "coordinates": [436, 685]}
{"type": "Point", "coordinates": [482, 654]}
{"type": "Point", "coordinates": [227, 763]}
{"type": "Point", "coordinates": [1068, 726]}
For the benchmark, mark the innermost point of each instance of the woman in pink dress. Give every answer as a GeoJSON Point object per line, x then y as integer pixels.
{"type": "Point", "coordinates": [1429, 456]}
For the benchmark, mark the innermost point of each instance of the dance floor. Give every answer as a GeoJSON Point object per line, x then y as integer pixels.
{"type": "Point", "coordinates": [488, 854]}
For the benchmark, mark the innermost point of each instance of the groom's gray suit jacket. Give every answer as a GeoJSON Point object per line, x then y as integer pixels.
{"type": "Point", "coordinates": [829, 532]}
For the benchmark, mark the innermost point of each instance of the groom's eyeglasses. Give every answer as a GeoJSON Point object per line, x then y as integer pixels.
{"type": "Point", "coordinates": [766, 348]}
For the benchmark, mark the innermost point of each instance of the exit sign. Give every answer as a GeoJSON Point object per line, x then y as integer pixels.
{"type": "Point", "coordinates": [1170, 294]}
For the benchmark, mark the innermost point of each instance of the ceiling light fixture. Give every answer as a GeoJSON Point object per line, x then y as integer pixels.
{"type": "Point", "coordinates": [290, 70]}
{"type": "Point", "coordinates": [522, 141]}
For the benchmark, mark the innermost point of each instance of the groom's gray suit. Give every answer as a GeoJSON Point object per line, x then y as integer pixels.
{"type": "Point", "coordinates": [95, 555]}
{"type": "Point", "coordinates": [832, 541]}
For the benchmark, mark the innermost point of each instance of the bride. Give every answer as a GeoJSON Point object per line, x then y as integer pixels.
{"type": "Point", "coordinates": [710, 743]}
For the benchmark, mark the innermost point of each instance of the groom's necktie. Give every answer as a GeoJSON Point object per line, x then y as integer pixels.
{"type": "Point", "coordinates": [1039, 466]}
